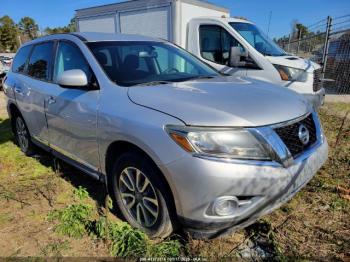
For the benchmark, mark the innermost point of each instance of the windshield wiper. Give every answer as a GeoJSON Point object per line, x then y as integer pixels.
{"type": "Point", "coordinates": [199, 77]}
{"type": "Point", "coordinates": [152, 83]}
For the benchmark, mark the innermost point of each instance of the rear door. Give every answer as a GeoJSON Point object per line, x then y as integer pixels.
{"type": "Point", "coordinates": [31, 86]}
{"type": "Point", "coordinates": [72, 112]}
{"type": "Point", "coordinates": [18, 68]}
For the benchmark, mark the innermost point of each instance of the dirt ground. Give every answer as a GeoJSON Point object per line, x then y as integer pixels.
{"type": "Point", "coordinates": [3, 112]}
{"type": "Point", "coordinates": [314, 225]}
{"type": "Point", "coordinates": [29, 190]}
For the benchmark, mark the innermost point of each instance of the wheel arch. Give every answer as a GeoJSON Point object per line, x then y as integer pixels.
{"type": "Point", "coordinates": [117, 148]}
{"type": "Point", "coordinates": [13, 111]}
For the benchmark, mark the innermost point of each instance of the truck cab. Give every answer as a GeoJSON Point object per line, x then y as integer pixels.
{"type": "Point", "coordinates": [237, 47]}
{"type": "Point", "coordinates": [232, 46]}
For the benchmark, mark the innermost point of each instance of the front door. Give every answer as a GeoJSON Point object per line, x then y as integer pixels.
{"type": "Point", "coordinates": [72, 113]}
{"type": "Point", "coordinates": [215, 46]}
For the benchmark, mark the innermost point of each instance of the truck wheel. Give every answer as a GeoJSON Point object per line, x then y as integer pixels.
{"type": "Point", "coordinates": [140, 196]}
{"type": "Point", "coordinates": [22, 136]}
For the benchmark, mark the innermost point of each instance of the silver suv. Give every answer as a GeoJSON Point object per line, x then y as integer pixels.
{"type": "Point", "coordinates": [178, 144]}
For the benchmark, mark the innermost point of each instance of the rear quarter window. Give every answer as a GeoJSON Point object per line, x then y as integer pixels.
{"type": "Point", "coordinates": [20, 59]}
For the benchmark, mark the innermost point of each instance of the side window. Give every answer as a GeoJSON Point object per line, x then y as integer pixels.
{"type": "Point", "coordinates": [216, 43]}
{"type": "Point", "coordinates": [40, 60]}
{"type": "Point", "coordinates": [210, 43]}
{"type": "Point", "coordinates": [20, 59]}
{"type": "Point", "coordinates": [68, 57]}
{"type": "Point", "coordinates": [227, 41]}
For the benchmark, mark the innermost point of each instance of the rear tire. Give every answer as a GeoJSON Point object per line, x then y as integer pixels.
{"type": "Point", "coordinates": [22, 136]}
{"type": "Point", "coordinates": [140, 195]}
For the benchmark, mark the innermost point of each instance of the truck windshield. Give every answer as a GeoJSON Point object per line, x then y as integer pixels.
{"type": "Point", "coordinates": [129, 63]}
{"type": "Point", "coordinates": [257, 39]}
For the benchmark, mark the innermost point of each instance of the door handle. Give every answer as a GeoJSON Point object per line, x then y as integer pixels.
{"type": "Point", "coordinates": [51, 100]}
{"type": "Point", "coordinates": [18, 91]}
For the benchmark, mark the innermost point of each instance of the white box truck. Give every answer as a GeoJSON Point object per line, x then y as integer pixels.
{"type": "Point", "coordinates": [233, 46]}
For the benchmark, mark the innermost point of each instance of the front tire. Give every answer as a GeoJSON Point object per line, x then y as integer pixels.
{"type": "Point", "coordinates": [140, 195]}
{"type": "Point", "coordinates": [22, 136]}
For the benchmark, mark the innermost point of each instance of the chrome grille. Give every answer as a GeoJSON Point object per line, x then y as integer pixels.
{"type": "Point", "coordinates": [289, 135]}
{"type": "Point", "coordinates": [317, 80]}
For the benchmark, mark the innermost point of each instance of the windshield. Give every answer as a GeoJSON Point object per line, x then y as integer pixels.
{"type": "Point", "coordinates": [257, 39]}
{"type": "Point", "coordinates": [136, 63]}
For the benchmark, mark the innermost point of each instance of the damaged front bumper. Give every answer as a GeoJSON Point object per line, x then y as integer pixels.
{"type": "Point", "coordinates": [258, 187]}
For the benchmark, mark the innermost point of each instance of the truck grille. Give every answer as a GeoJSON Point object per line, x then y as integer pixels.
{"type": "Point", "coordinates": [289, 135]}
{"type": "Point", "coordinates": [317, 80]}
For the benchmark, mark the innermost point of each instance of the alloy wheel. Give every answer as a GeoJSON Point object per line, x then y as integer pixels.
{"type": "Point", "coordinates": [22, 134]}
{"type": "Point", "coordinates": [139, 196]}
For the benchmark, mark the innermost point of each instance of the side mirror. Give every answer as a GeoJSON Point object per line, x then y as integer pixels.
{"type": "Point", "coordinates": [75, 78]}
{"type": "Point", "coordinates": [236, 55]}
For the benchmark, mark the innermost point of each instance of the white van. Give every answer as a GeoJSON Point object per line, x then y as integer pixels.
{"type": "Point", "coordinates": [233, 46]}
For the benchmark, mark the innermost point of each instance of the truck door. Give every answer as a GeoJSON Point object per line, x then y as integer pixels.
{"type": "Point", "coordinates": [215, 44]}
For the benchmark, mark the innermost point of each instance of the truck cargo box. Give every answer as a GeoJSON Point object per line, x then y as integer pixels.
{"type": "Point", "coordinates": [166, 19]}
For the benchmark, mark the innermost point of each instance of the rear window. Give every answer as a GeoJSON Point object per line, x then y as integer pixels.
{"type": "Point", "coordinates": [20, 59]}
{"type": "Point", "coordinates": [40, 60]}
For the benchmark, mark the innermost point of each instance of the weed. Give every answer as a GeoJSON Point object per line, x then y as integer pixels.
{"type": "Point", "coordinates": [339, 203]}
{"type": "Point", "coordinates": [81, 193]}
{"type": "Point", "coordinates": [55, 249]}
{"type": "Point", "coordinates": [126, 241]}
{"type": "Point", "coordinates": [73, 220]}
{"type": "Point", "coordinates": [99, 228]}
{"type": "Point", "coordinates": [5, 218]}
{"type": "Point", "coordinates": [168, 249]}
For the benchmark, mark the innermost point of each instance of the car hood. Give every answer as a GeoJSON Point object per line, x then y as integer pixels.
{"type": "Point", "coordinates": [225, 101]}
{"type": "Point", "coordinates": [294, 61]}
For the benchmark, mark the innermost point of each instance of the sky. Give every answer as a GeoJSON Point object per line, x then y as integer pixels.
{"type": "Point", "coordinates": [49, 13]}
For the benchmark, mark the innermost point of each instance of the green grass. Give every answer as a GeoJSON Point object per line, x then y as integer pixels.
{"type": "Point", "coordinates": [13, 161]}
{"type": "Point", "coordinates": [339, 107]}
{"type": "Point", "coordinates": [77, 220]}
{"type": "Point", "coordinates": [5, 218]}
{"type": "Point", "coordinates": [55, 249]}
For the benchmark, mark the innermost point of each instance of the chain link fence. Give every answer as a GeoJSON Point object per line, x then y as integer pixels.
{"type": "Point", "coordinates": [326, 42]}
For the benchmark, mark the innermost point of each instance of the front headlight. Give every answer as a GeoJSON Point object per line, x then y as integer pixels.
{"type": "Point", "coordinates": [219, 142]}
{"type": "Point", "coordinates": [291, 73]}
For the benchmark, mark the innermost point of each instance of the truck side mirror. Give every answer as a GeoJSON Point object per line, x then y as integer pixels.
{"type": "Point", "coordinates": [236, 55]}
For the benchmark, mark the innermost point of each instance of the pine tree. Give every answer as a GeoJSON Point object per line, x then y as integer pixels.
{"type": "Point", "coordinates": [8, 34]}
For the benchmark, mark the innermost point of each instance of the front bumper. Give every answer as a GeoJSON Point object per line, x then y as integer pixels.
{"type": "Point", "coordinates": [197, 182]}
{"type": "Point", "coordinates": [316, 99]}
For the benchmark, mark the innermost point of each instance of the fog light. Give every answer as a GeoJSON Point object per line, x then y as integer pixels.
{"type": "Point", "coordinates": [225, 206]}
